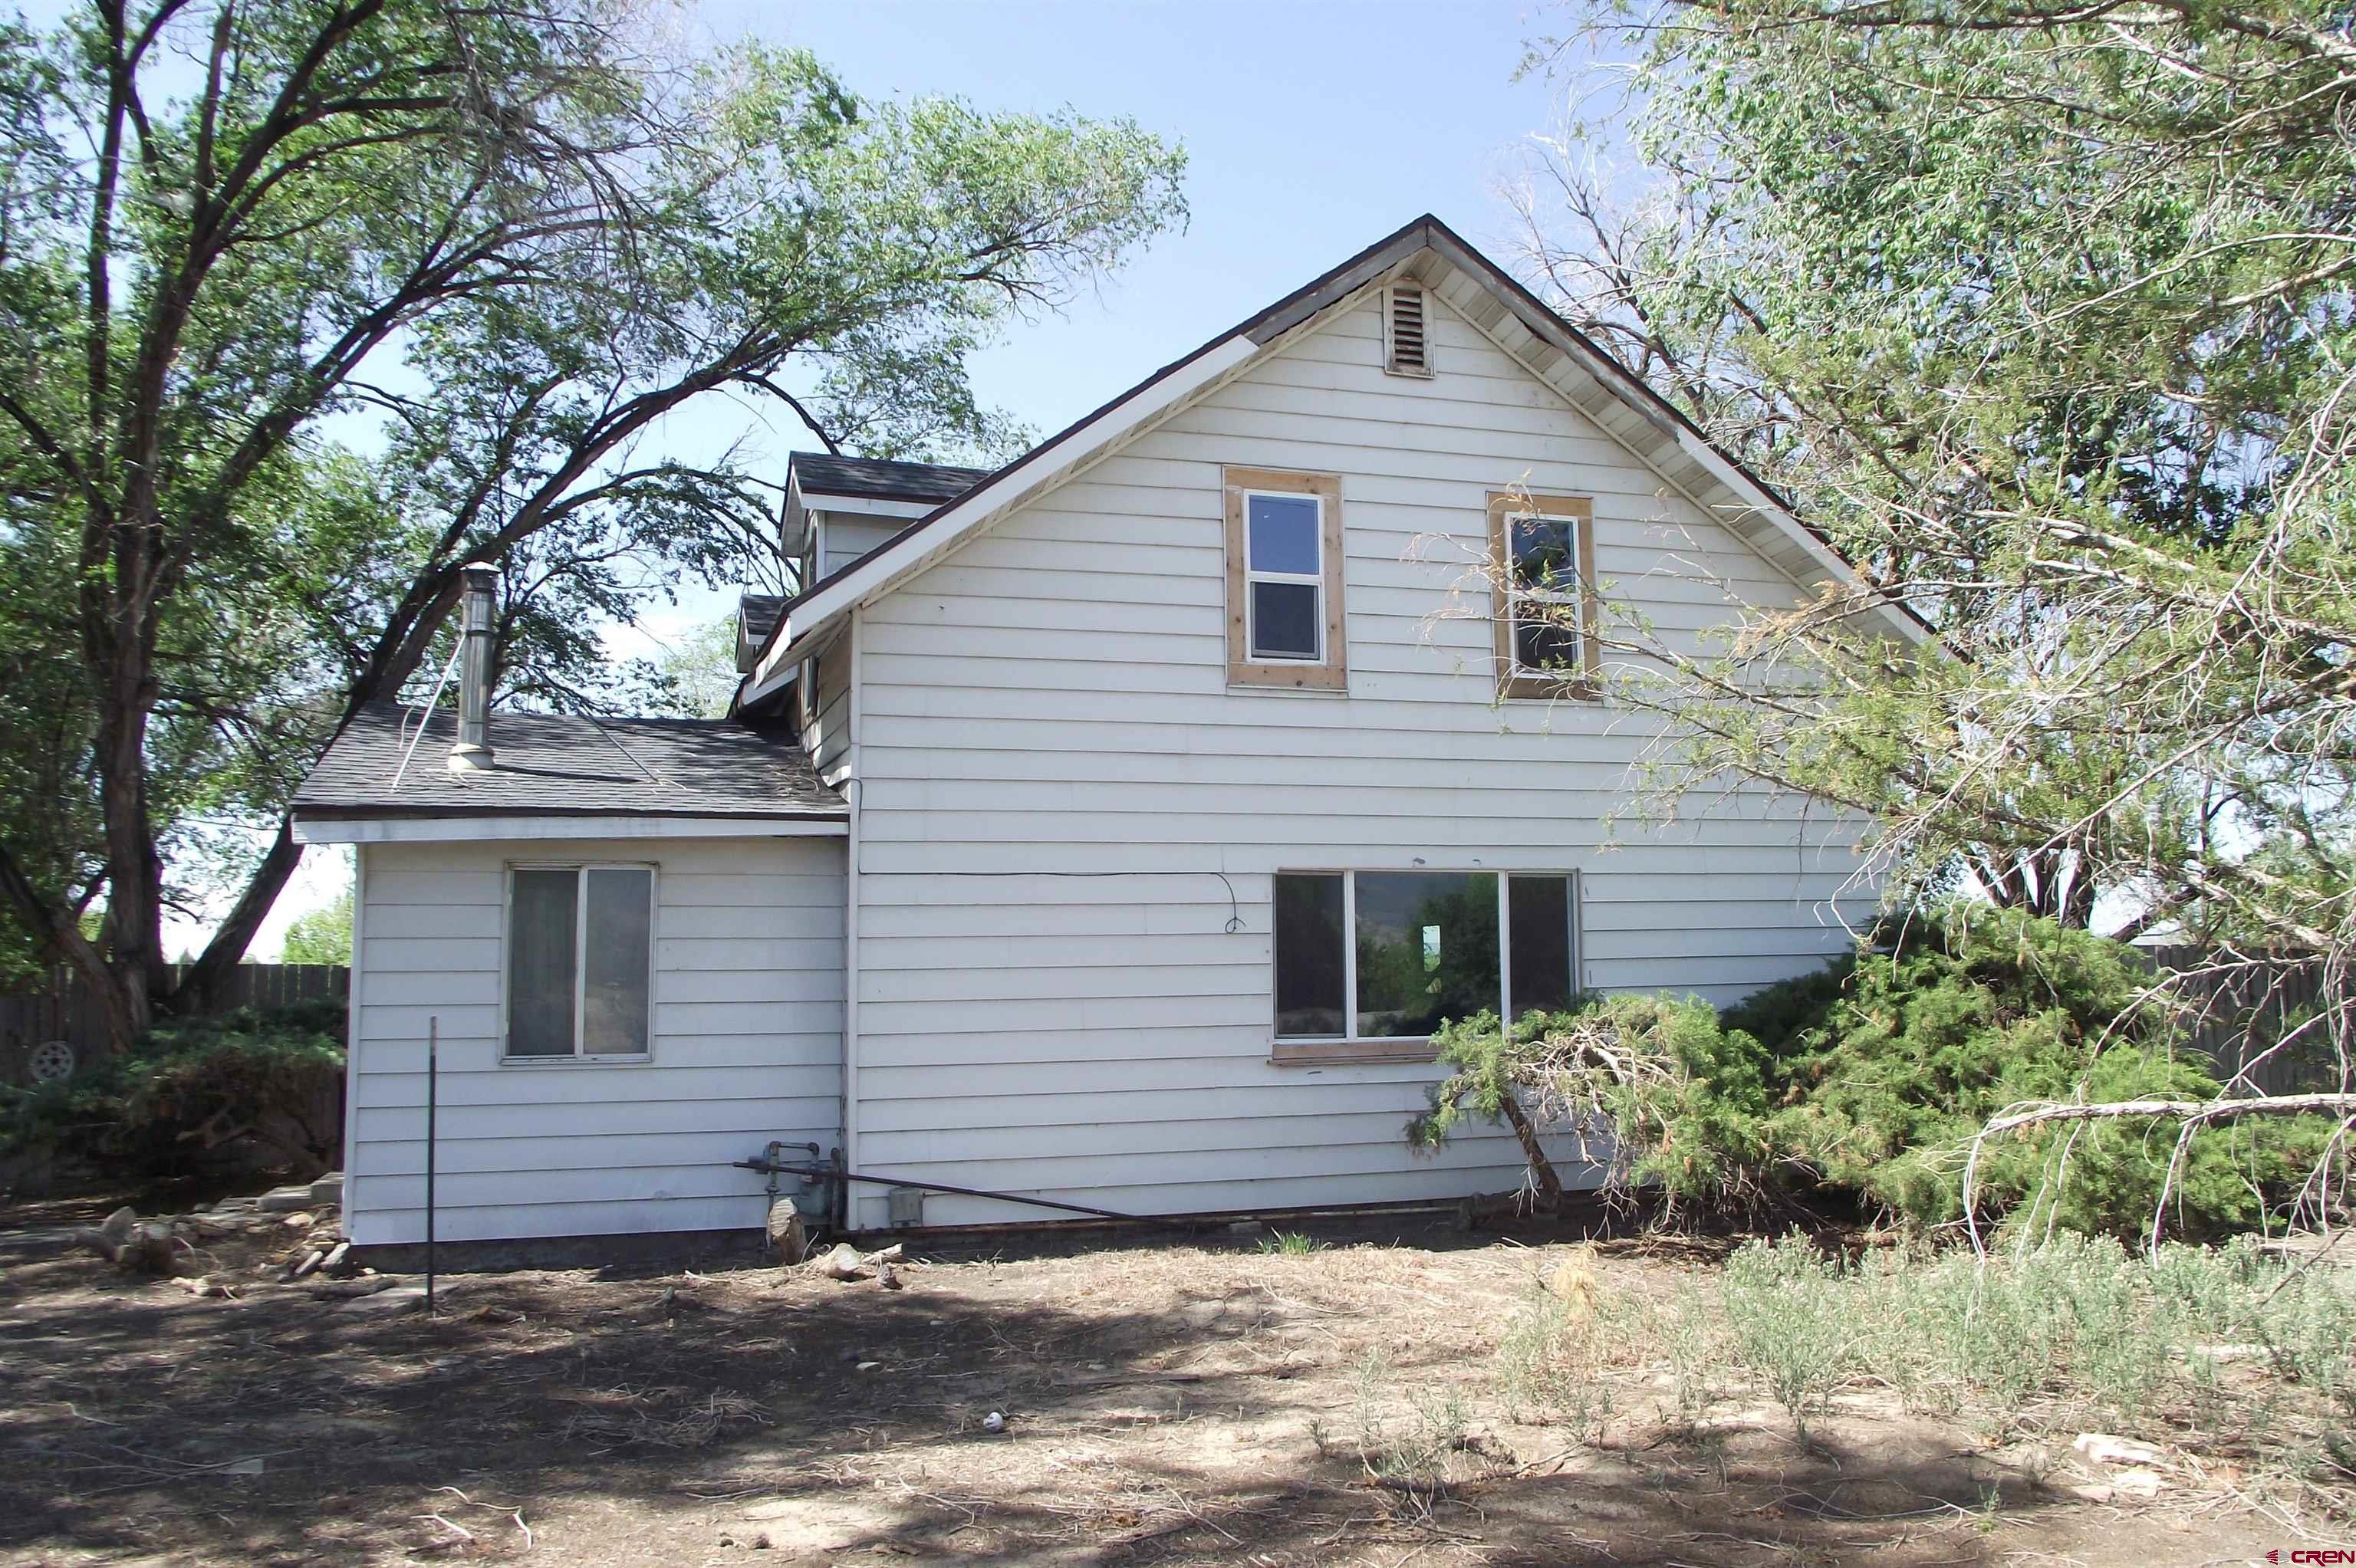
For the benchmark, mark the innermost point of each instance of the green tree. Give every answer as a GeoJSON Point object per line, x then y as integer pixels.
{"type": "Point", "coordinates": [1868, 1081]}
{"type": "Point", "coordinates": [322, 936]}
{"type": "Point", "coordinates": [495, 248]}
{"type": "Point", "coordinates": [696, 673]}
{"type": "Point", "coordinates": [2043, 315]}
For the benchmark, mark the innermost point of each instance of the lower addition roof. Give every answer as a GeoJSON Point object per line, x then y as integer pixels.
{"type": "Point", "coordinates": [390, 763]}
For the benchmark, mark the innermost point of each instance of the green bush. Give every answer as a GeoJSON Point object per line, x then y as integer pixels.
{"type": "Point", "coordinates": [190, 1089]}
{"type": "Point", "coordinates": [1867, 1080]}
{"type": "Point", "coordinates": [1684, 1100]}
{"type": "Point", "coordinates": [1966, 1011]}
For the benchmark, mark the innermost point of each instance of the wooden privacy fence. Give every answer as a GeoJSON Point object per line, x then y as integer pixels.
{"type": "Point", "coordinates": [66, 1010]}
{"type": "Point", "coordinates": [2242, 1008]}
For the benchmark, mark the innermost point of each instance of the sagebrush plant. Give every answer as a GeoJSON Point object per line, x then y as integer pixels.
{"type": "Point", "coordinates": [1794, 1321]}
{"type": "Point", "coordinates": [2073, 1332]}
{"type": "Point", "coordinates": [1695, 1357]}
{"type": "Point", "coordinates": [1416, 1449]}
{"type": "Point", "coordinates": [1553, 1357]}
{"type": "Point", "coordinates": [1867, 1081]}
{"type": "Point", "coordinates": [2024, 1345]}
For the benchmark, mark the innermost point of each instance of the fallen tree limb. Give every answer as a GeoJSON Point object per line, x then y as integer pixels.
{"type": "Point", "coordinates": [2193, 1114]}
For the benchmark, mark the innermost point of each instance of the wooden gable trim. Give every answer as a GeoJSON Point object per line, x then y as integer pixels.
{"type": "Point", "coordinates": [1518, 684]}
{"type": "Point", "coordinates": [1332, 672]}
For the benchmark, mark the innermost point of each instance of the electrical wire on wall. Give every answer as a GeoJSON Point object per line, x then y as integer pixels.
{"type": "Point", "coordinates": [1234, 909]}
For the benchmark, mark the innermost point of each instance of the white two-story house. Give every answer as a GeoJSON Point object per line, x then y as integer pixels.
{"type": "Point", "coordinates": [1108, 830]}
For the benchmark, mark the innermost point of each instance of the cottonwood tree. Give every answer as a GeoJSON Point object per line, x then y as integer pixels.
{"type": "Point", "coordinates": [2042, 313]}
{"type": "Point", "coordinates": [322, 936]}
{"type": "Point", "coordinates": [304, 303]}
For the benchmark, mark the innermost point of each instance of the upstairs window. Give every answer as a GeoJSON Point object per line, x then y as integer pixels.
{"type": "Point", "coordinates": [1285, 577]}
{"type": "Point", "coordinates": [580, 961]}
{"type": "Point", "coordinates": [1285, 624]}
{"type": "Point", "coordinates": [1369, 963]}
{"type": "Point", "coordinates": [1545, 604]}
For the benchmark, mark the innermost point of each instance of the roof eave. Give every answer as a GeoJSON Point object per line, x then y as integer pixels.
{"type": "Point", "coordinates": [389, 824]}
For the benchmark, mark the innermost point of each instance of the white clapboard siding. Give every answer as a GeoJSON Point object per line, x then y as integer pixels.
{"type": "Point", "coordinates": [827, 738]}
{"type": "Point", "coordinates": [848, 536]}
{"type": "Point", "coordinates": [748, 1046]}
{"type": "Point", "coordinates": [1054, 776]}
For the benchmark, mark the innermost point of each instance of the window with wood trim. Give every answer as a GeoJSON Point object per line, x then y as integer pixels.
{"type": "Point", "coordinates": [1406, 333]}
{"type": "Point", "coordinates": [1542, 549]}
{"type": "Point", "coordinates": [1285, 622]}
{"type": "Point", "coordinates": [1367, 964]}
{"type": "Point", "coordinates": [579, 961]}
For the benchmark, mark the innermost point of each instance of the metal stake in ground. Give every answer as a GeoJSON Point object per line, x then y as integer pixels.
{"type": "Point", "coordinates": [432, 1076]}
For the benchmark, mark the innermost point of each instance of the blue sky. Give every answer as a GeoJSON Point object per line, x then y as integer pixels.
{"type": "Point", "coordinates": [1313, 129]}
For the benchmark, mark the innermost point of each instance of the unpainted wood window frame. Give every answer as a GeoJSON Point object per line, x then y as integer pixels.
{"type": "Point", "coordinates": [1349, 1046]}
{"type": "Point", "coordinates": [578, 1057]}
{"type": "Point", "coordinates": [1513, 681]}
{"type": "Point", "coordinates": [1330, 672]}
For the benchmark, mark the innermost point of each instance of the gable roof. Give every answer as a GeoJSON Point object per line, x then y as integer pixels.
{"type": "Point", "coordinates": [562, 764]}
{"type": "Point", "coordinates": [880, 479]}
{"type": "Point", "coordinates": [1639, 418]}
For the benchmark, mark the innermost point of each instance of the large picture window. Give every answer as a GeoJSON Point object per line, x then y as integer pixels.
{"type": "Point", "coordinates": [1546, 608]}
{"type": "Point", "coordinates": [1369, 963]}
{"type": "Point", "coordinates": [580, 961]}
{"type": "Point", "coordinates": [1285, 623]}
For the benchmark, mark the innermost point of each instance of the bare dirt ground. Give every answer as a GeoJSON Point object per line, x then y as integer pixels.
{"type": "Point", "coordinates": [1162, 1404]}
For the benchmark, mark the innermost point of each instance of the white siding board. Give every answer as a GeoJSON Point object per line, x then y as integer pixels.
{"type": "Point", "coordinates": [508, 1087]}
{"type": "Point", "coordinates": [1052, 699]}
{"type": "Point", "coordinates": [1501, 795]}
{"type": "Point", "coordinates": [827, 737]}
{"type": "Point", "coordinates": [1425, 1181]}
{"type": "Point", "coordinates": [1224, 1094]}
{"type": "Point", "coordinates": [594, 1183]}
{"type": "Point", "coordinates": [431, 921]}
{"type": "Point", "coordinates": [850, 536]}
{"type": "Point", "coordinates": [395, 1124]}
{"type": "Point", "coordinates": [784, 922]}
{"type": "Point", "coordinates": [713, 1145]}
{"type": "Point", "coordinates": [554, 1217]}
{"type": "Point", "coordinates": [1261, 1167]}
{"type": "Point", "coordinates": [746, 1046]}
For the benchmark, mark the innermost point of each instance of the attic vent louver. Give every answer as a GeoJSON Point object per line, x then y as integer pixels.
{"type": "Point", "coordinates": [1404, 350]}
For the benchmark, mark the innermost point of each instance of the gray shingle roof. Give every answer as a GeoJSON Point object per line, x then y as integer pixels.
{"type": "Point", "coordinates": [548, 765]}
{"type": "Point", "coordinates": [756, 617]}
{"type": "Point", "coordinates": [759, 612]}
{"type": "Point", "coordinates": [881, 480]}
